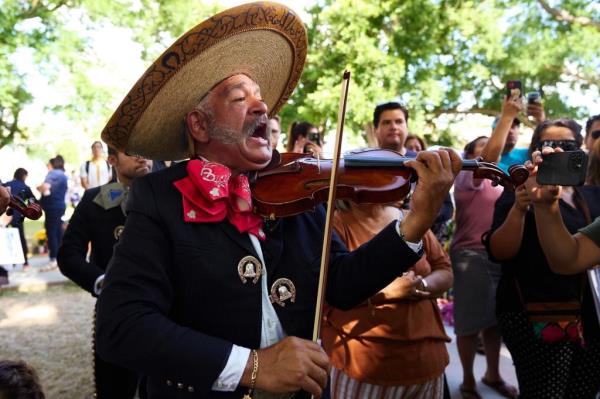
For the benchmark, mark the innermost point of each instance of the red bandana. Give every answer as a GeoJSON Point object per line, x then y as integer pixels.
{"type": "Point", "coordinates": [210, 194]}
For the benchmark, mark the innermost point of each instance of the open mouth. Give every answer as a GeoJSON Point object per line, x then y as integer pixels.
{"type": "Point", "coordinates": [260, 131]}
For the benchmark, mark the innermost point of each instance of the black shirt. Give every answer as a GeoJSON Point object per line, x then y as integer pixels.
{"type": "Point", "coordinates": [530, 270]}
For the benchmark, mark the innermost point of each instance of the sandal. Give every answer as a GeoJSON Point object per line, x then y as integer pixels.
{"type": "Point", "coordinates": [469, 393]}
{"type": "Point", "coordinates": [508, 391]}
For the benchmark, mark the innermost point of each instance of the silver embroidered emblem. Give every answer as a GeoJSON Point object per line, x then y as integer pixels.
{"type": "Point", "coordinates": [118, 231]}
{"type": "Point", "coordinates": [282, 290]}
{"type": "Point", "coordinates": [249, 268]}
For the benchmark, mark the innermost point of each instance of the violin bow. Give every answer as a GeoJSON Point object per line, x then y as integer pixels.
{"type": "Point", "coordinates": [330, 207]}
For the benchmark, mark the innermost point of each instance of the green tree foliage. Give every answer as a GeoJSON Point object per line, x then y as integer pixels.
{"type": "Point", "coordinates": [444, 57]}
{"type": "Point", "coordinates": [16, 34]}
{"type": "Point", "coordinates": [55, 33]}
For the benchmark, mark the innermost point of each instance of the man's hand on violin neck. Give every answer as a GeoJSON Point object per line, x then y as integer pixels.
{"type": "Point", "coordinates": [436, 171]}
{"type": "Point", "coordinates": [291, 365]}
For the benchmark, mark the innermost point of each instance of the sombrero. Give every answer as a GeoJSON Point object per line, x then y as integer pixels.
{"type": "Point", "coordinates": [266, 41]}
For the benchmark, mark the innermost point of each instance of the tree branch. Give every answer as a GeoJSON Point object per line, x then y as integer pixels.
{"type": "Point", "coordinates": [483, 111]}
{"type": "Point", "coordinates": [37, 7]}
{"type": "Point", "coordinates": [562, 15]}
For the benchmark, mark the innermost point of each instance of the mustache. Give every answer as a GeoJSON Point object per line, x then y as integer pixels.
{"type": "Point", "coordinates": [231, 136]}
{"type": "Point", "coordinates": [249, 128]}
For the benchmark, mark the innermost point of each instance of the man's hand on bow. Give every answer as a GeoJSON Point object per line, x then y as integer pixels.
{"type": "Point", "coordinates": [290, 365]}
{"type": "Point", "coordinates": [436, 171]}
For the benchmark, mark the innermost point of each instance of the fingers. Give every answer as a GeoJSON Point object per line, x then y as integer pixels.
{"type": "Point", "coordinates": [431, 159]}
{"type": "Point", "coordinates": [427, 160]}
{"type": "Point", "coordinates": [312, 387]}
{"type": "Point", "coordinates": [444, 154]}
{"type": "Point", "coordinates": [455, 159]}
{"type": "Point", "coordinates": [318, 373]}
{"type": "Point", "coordinates": [318, 355]}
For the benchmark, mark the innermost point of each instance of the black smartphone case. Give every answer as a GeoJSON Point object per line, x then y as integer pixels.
{"type": "Point", "coordinates": [563, 169]}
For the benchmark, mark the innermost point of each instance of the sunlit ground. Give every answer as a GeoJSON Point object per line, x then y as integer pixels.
{"type": "Point", "coordinates": [51, 330]}
{"type": "Point", "coordinates": [21, 315]}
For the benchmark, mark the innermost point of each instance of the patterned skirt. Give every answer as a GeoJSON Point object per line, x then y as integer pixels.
{"type": "Point", "coordinates": [561, 370]}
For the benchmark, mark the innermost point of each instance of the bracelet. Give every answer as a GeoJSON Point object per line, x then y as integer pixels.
{"type": "Point", "coordinates": [253, 375]}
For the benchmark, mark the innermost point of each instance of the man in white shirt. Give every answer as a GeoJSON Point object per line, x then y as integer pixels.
{"type": "Point", "coordinates": [96, 171]}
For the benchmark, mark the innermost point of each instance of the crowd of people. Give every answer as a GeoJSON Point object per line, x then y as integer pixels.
{"type": "Point", "coordinates": [199, 296]}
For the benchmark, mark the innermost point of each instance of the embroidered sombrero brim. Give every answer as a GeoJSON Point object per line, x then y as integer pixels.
{"type": "Point", "coordinates": [266, 41]}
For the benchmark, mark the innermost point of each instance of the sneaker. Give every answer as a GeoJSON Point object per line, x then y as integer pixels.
{"type": "Point", "coordinates": [52, 265]}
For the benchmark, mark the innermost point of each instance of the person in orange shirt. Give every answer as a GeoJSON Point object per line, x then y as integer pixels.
{"type": "Point", "coordinates": [394, 344]}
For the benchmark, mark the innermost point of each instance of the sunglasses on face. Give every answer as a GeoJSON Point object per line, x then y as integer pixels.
{"type": "Point", "coordinates": [566, 145]}
{"type": "Point", "coordinates": [595, 134]}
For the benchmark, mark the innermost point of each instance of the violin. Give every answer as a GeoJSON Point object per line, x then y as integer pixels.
{"type": "Point", "coordinates": [295, 183]}
{"type": "Point", "coordinates": [31, 210]}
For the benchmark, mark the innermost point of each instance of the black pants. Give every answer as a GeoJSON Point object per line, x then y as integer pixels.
{"type": "Point", "coordinates": [53, 225]}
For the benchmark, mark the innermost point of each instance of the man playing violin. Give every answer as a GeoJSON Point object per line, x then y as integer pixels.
{"type": "Point", "coordinates": [202, 296]}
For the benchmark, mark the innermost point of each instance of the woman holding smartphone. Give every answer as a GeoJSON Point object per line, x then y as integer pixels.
{"type": "Point", "coordinates": [547, 320]}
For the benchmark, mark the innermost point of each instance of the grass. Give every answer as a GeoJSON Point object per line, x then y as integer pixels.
{"type": "Point", "coordinates": [52, 331]}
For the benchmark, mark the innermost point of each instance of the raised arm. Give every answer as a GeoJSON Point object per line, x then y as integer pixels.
{"type": "Point", "coordinates": [566, 253]}
{"type": "Point", "coordinates": [495, 145]}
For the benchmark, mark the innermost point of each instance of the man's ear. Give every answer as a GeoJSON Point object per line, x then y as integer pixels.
{"type": "Point", "coordinates": [112, 160]}
{"type": "Point", "coordinates": [197, 125]}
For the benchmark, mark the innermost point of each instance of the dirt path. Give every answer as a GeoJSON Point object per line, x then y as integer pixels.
{"type": "Point", "coordinates": [51, 330]}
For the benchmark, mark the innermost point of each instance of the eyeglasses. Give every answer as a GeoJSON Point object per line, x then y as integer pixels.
{"type": "Point", "coordinates": [595, 134]}
{"type": "Point", "coordinates": [566, 145]}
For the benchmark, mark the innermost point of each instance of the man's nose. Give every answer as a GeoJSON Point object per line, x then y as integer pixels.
{"type": "Point", "coordinates": [258, 107]}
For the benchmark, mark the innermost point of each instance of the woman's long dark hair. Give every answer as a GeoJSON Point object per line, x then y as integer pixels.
{"type": "Point", "coordinates": [297, 129]}
{"type": "Point", "coordinates": [570, 124]}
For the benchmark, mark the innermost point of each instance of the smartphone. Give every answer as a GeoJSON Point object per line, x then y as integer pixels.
{"type": "Point", "coordinates": [534, 97]}
{"type": "Point", "coordinates": [315, 138]}
{"type": "Point", "coordinates": [513, 89]}
{"type": "Point", "coordinates": [563, 168]}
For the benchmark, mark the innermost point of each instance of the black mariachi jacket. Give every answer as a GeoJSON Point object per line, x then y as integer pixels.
{"type": "Point", "coordinates": [173, 301]}
{"type": "Point", "coordinates": [89, 223]}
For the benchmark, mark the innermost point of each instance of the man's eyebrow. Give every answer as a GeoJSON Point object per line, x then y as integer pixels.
{"type": "Point", "coordinates": [240, 85]}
